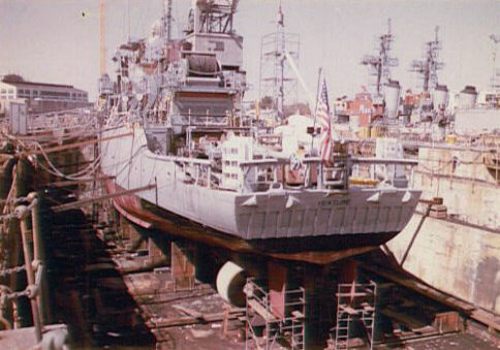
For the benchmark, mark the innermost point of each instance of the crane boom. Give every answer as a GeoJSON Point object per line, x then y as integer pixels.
{"type": "Point", "coordinates": [309, 94]}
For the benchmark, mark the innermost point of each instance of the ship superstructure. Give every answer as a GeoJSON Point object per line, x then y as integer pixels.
{"type": "Point", "coordinates": [478, 112]}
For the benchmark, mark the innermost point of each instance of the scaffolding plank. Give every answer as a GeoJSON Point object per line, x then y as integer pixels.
{"type": "Point", "coordinates": [261, 310]}
{"type": "Point", "coordinates": [354, 295]}
{"type": "Point", "coordinates": [349, 310]}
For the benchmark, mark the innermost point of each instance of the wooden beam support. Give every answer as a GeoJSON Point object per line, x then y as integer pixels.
{"type": "Point", "coordinates": [183, 269]}
{"type": "Point", "coordinates": [76, 182]}
{"type": "Point", "coordinates": [80, 203]}
{"type": "Point", "coordinates": [189, 320]}
{"type": "Point", "coordinates": [421, 288]}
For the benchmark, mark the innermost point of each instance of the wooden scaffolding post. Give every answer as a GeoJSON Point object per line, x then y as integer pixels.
{"type": "Point", "coordinates": [182, 266]}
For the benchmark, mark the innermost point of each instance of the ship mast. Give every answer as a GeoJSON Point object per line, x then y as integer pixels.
{"type": "Point", "coordinates": [429, 66]}
{"type": "Point", "coordinates": [380, 64]}
{"type": "Point", "coordinates": [276, 80]}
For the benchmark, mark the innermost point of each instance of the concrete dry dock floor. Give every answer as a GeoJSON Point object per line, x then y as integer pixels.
{"type": "Point", "coordinates": [194, 319]}
{"type": "Point", "coordinates": [184, 319]}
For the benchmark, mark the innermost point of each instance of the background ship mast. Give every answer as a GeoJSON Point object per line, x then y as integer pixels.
{"type": "Point", "coordinates": [380, 64]}
{"type": "Point", "coordinates": [428, 67]}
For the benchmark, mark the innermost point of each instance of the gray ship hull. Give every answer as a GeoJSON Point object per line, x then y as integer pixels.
{"type": "Point", "coordinates": [276, 221]}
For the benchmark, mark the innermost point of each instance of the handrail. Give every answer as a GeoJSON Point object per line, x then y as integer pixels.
{"type": "Point", "coordinates": [263, 162]}
{"type": "Point", "coordinates": [384, 161]}
{"type": "Point", "coordinates": [274, 161]}
{"type": "Point", "coordinates": [180, 159]}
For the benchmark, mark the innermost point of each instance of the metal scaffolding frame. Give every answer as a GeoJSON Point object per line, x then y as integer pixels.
{"type": "Point", "coordinates": [261, 314]}
{"type": "Point", "coordinates": [355, 302]}
{"type": "Point", "coordinates": [277, 79]}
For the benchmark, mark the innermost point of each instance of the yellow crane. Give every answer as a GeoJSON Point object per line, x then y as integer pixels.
{"type": "Point", "coordinates": [102, 38]}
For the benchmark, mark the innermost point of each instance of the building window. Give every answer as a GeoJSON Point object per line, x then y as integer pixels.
{"type": "Point", "coordinates": [54, 94]}
{"type": "Point", "coordinates": [23, 93]}
{"type": "Point", "coordinates": [4, 91]}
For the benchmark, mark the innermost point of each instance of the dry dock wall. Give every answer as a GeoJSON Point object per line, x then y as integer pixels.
{"type": "Point", "coordinates": [458, 259]}
{"type": "Point", "coordinates": [459, 254]}
{"type": "Point", "coordinates": [469, 190]}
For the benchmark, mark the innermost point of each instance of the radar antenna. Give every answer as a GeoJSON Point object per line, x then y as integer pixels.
{"type": "Point", "coordinates": [212, 16]}
{"type": "Point", "coordinates": [380, 64]}
{"type": "Point", "coordinates": [428, 67]}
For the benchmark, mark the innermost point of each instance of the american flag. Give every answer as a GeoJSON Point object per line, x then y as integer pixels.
{"type": "Point", "coordinates": [324, 117]}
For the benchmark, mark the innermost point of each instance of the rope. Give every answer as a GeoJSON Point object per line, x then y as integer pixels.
{"type": "Point", "coordinates": [89, 170]}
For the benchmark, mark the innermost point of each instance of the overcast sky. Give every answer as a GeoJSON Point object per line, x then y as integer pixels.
{"type": "Point", "coordinates": [50, 40]}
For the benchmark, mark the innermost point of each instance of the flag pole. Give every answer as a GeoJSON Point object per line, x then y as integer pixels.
{"type": "Point", "coordinates": [320, 70]}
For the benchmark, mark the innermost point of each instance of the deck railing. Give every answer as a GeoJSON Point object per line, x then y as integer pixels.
{"type": "Point", "coordinates": [271, 174]}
